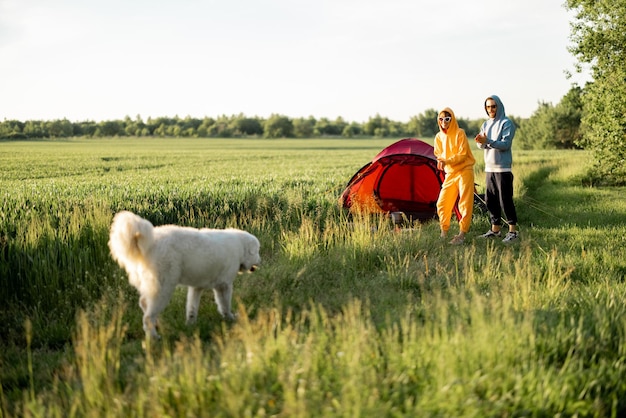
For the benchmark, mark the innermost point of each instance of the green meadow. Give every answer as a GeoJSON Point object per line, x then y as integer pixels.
{"type": "Point", "coordinates": [346, 317]}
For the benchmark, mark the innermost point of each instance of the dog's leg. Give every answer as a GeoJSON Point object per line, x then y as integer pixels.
{"type": "Point", "coordinates": [149, 323]}
{"type": "Point", "coordinates": [193, 303]}
{"type": "Point", "coordinates": [150, 326]}
{"type": "Point", "coordinates": [223, 294]}
{"type": "Point", "coordinates": [143, 304]}
{"type": "Point", "coordinates": [154, 305]}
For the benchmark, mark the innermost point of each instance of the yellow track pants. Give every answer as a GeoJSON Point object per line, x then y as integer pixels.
{"type": "Point", "coordinates": [456, 185]}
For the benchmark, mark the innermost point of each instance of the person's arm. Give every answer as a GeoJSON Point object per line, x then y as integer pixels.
{"type": "Point", "coordinates": [437, 150]}
{"type": "Point", "coordinates": [437, 147]}
{"type": "Point", "coordinates": [505, 139]}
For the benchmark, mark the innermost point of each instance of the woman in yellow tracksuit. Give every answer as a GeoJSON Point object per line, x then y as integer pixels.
{"type": "Point", "coordinates": [454, 156]}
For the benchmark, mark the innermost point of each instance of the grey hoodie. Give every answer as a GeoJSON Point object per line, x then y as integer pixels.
{"type": "Point", "coordinates": [499, 132]}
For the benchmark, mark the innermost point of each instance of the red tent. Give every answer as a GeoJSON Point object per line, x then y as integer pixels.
{"type": "Point", "coordinates": [402, 178]}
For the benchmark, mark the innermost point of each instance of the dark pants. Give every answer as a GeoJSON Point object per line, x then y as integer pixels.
{"type": "Point", "coordinates": [499, 197]}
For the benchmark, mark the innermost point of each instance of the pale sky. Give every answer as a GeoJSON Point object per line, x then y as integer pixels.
{"type": "Point", "coordinates": [106, 59]}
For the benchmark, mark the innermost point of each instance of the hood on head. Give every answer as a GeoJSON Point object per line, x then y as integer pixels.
{"type": "Point", "coordinates": [454, 125]}
{"type": "Point", "coordinates": [500, 113]}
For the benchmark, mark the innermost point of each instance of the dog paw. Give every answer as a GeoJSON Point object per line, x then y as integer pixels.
{"type": "Point", "coordinates": [150, 338]}
{"type": "Point", "coordinates": [230, 317]}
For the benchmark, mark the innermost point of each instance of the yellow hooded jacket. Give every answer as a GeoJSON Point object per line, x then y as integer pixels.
{"type": "Point", "coordinates": [452, 146]}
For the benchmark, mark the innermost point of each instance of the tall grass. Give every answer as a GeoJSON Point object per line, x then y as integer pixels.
{"type": "Point", "coordinates": [457, 353]}
{"type": "Point", "coordinates": [346, 317]}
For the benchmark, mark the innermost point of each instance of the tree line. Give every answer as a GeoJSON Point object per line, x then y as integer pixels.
{"type": "Point", "coordinates": [235, 126]}
{"type": "Point", "coordinates": [549, 127]}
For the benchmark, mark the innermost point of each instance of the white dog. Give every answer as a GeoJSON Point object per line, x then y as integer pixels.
{"type": "Point", "coordinates": [157, 259]}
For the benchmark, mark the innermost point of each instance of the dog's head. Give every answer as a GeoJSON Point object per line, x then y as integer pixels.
{"type": "Point", "coordinates": [251, 258]}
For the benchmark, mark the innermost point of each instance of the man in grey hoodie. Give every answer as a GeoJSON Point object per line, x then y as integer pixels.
{"type": "Point", "coordinates": [495, 138]}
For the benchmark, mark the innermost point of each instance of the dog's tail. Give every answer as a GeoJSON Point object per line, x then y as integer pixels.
{"type": "Point", "coordinates": [130, 239]}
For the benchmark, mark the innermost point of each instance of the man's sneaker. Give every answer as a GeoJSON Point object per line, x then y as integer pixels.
{"type": "Point", "coordinates": [491, 234]}
{"type": "Point", "coordinates": [510, 237]}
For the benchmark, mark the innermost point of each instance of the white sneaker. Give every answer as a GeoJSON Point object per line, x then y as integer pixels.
{"type": "Point", "coordinates": [510, 237]}
{"type": "Point", "coordinates": [491, 234]}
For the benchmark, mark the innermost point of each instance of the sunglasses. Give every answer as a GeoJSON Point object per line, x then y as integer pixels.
{"type": "Point", "coordinates": [446, 119]}
{"type": "Point", "coordinates": [491, 107]}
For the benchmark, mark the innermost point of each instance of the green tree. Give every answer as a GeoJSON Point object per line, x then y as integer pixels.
{"type": "Point", "coordinates": [85, 128]}
{"type": "Point", "coordinates": [12, 129]}
{"type": "Point", "coordinates": [304, 127]}
{"type": "Point", "coordinates": [221, 128]}
{"type": "Point", "coordinates": [190, 124]}
{"type": "Point", "coordinates": [424, 125]}
{"type": "Point", "coordinates": [34, 129]}
{"type": "Point", "coordinates": [473, 127]}
{"type": "Point", "coordinates": [470, 126]}
{"type": "Point", "coordinates": [326, 127]}
{"type": "Point", "coordinates": [112, 128]}
{"type": "Point", "coordinates": [175, 130]}
{"type": "Point", "coordinates": [599, 36]}
{"type": "Point", "coordinates": [538, 131]}
{"type": "Point", "coordinates": [60, 128]}
{"type": "Point", "coordinates": [244, 126]}
{"type": "Point", "coordinates": [133, 127]}
{"type": "Point", "coordinates": [278, 126]}
{"type": "Point", "coordinates": [323, 127]}
{"type": "Point", "coordinates": [205, 127]}
{"type": "Point", "coordinates": [381, 127]}
{"type": "Point", "coordinates": [160, 130]}
{"type": "Point", "coordinates": [352, 130]}
{"type": "Point", "coordinates": [568, 117]}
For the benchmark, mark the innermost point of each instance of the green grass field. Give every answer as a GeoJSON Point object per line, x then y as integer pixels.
{"type": "Point", "coordinates": [346, 317]}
